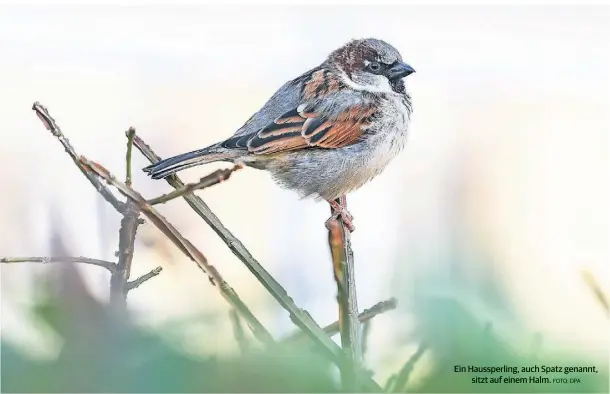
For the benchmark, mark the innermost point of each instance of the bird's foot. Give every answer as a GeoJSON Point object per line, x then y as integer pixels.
{"type": "Point", "coordinates": [341, 211]}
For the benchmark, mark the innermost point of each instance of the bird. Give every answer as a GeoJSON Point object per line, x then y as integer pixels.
{"type": "Point", "coordinates": [325, 133]}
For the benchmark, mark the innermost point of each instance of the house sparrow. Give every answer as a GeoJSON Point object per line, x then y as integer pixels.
{"type": "Point", "coordinates": [325, 133]}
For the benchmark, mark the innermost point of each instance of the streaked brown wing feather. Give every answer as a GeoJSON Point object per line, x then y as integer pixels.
{"type": "Point", "coordinates": [303, 127]}
{"type": "Point", "coordinates": [344, 130]}
{"type": "Point", "coordinates": [277, 143]}
{"type": "Point", "coordinates": [291, 132]}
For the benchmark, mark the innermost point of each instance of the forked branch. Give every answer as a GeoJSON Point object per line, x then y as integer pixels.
{"type": "Point", "coordinates": [138, 281]}
{"type": "Point", "coordinates": [127, 238]}
{"type": "Point", "coordinates": [52, 126]}
{"type": "Point", "coordinates": [185, 246]}
{"type": "Point", "coordinates": [365, 316]}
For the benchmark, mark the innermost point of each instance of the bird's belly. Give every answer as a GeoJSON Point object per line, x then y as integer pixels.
{"type": "Point", "coordinates": [328, 174]}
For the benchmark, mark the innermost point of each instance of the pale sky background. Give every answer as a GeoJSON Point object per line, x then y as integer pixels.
{"type": "Point", "coordinates": [508, 154]}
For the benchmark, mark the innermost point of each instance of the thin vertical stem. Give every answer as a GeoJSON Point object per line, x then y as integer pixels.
{"type": "Point", "coordinates": [349, 324]}
{"type": "Point", "coordinates": [127, 236]}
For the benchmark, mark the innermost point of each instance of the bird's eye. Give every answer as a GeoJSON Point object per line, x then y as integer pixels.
{"type": "Point", "coordinates": [375, 67]}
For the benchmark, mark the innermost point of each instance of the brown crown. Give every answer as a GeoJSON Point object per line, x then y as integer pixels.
{"type": "Point", "coordinates": [351, 56]}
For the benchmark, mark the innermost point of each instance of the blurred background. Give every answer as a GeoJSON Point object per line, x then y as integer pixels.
{"type": "Point", "coordinates": [498, 206]}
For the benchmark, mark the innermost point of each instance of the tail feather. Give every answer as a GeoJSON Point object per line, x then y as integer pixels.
{"type": "Point", "coordinates": [170, 166]}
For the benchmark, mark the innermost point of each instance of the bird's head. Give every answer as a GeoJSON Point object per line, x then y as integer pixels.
{"type": "Point", "coordinates": [372, 65]}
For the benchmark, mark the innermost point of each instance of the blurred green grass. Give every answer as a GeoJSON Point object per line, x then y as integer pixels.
{"type": "Point", "coordinates": [454, 336]}
{"type": "Point", "coordinates": [102, 352]}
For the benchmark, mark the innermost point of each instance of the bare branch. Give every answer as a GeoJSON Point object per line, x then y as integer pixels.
{"type": "Point", "coordinates": [238, 332]}
{"type": "Point", "coordinates": [130, 134]}
{"type": "Point", "coordinates": [402, 376]}
{"type": "Point", "coordinates": [365, 316]}
{"type": "Point", "coordinates": [138, 281]}
{"type": "Point", "coordinates": [127, 235]}
{"type": "Point", "coordinates": [210, 180]}
{"type": "Point", "coordinates": [110, 266]}
{"type": "Point", "coordinates": [299, 316]}
{"type": "Point", "coordinates": [349, 325]}
{"type": "Point", "coordinates": [52, 126]}
{"type": "Point", "coordinates": [127, 238]}
{"type": "Point", "coordinates": [186, 247]}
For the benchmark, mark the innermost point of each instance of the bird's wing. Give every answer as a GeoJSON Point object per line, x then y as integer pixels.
{"type": "Point", "coordinates": [287, 97]}
{"type": "Point", "coordinates": [326, 116]}
{"type": "Point", "coordinates": [305, 127]}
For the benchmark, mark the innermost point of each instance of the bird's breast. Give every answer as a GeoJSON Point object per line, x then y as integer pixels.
{"type": "Point", "coordinates": [390, 128]}
{"type": "Point", "coordinates": [387, 138]}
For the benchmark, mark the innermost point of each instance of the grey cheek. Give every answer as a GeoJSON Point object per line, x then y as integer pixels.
{"type": "Point", "coordinates": [377, 81]}
{"type": "Point", "coordinates": [363, 78]}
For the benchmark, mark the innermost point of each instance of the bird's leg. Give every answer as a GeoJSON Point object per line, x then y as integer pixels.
{"type": "Point", "coordinates": [339, 208]}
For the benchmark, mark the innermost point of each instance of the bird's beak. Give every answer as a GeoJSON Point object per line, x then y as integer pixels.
{"type": "Point", "coordinates": [400, 70]}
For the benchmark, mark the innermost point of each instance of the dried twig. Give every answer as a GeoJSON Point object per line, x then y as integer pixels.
{"type": "Point", "coordinates": [186, 247]}
{"type": "Point", "coordinates": [402, 377]}
{"type": "Point", "coordinates": [52, 126]}
{"type": "Point", "coordinates": [213, 179]}
{"type": "Point", "coordinates": [365, 316]}
{"type": "Point", "coordinates": [127, 234]}
{"type": "Point", "coordinates": [299, 316]}
{"type": "Point", "coordinates": [238, 332]}
{"type": "Point", "coordinates": [131, 132]}
{"type": "Point", "coordinates": [129, 223]}
{"type": "Point", "coordinates": [110, 266]}
{"type": "Point", "coordinates": [127, 237]}
{"type": "Point", "coordinates": [349, 325]}
{"type": "Point", "coordinates": [138, 281]}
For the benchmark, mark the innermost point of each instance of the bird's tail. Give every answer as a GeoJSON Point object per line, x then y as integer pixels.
{"type": "Point", "coordinates": [170, 166]}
